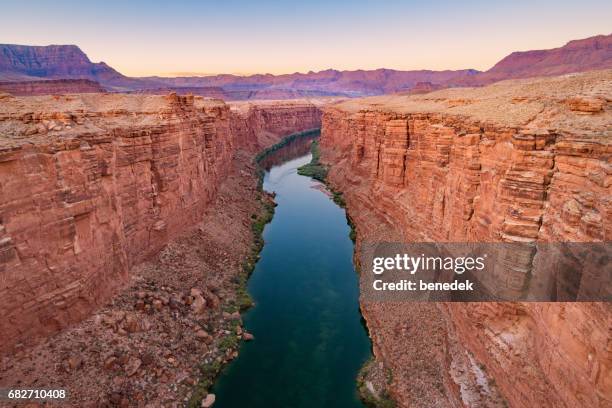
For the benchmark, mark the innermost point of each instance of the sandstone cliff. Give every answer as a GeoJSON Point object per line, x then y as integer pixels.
{"type": "Point", "coordinates": [91, 185]}
{"type": "Point", "coordinates": [513, 162]}
{"type": "Point", "coordinates": [259, 124]}
{"type": "Point", "coordinates": [103, 183]}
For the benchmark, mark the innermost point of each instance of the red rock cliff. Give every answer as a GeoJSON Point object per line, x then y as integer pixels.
{"type": "Point", "coordinates": [516, 161]}
{"type": "Point", "coordinates": [260, 124]}
{"type": "Point", "coordinates": [91, 185]}
{"type": "Point", "coordinates": [104, 183]}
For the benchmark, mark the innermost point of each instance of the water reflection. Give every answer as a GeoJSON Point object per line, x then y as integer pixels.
{"type": "Point", "coordinates": [296, 148]}
{"type": "Point", "coordinates": [309, 341]}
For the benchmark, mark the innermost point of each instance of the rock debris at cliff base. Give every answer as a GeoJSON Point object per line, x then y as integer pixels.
{"type": "Point", "coordinates": [177, 313]}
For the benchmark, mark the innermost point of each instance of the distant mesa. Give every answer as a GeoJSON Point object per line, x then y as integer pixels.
{"type": "Point", "coordinates": [32, 63]}
{"type": "Point", "coordinates": [27, 64]}
{"type": "Point", "coordinates": [50, 87]}
{"type": "Point", "coordinates": [589, 54]}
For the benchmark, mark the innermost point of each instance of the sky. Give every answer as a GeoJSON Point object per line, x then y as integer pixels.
{"type": "Point", "coordinates": [141, 38]}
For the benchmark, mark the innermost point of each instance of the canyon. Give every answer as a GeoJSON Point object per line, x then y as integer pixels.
{"type": "Point", "coordinates": [516, 161]}
{"type": "Point", "coordinates": [125, 221]}
{"type": "Point", "coordinates": [95, 184]}
{"type": "Point", "coordinates": [24, 64]}
{"type": "Point", "coordinates": [125, 224]}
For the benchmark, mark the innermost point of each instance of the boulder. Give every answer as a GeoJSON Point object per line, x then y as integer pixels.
{"type": "Point", "coordinates": [199, 304]}
{"type": "Point", "coordinates": [208, 401]}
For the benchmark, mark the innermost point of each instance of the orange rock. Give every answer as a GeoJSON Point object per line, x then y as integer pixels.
{"type": "Point", "coordinates": [416, 168]}
{"type": "Point", "coordinates": [586, 105]}
{"type": "Point", "coordinates": [80, 206]}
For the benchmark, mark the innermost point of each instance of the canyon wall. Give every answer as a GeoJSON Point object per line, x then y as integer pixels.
{"type": "Point", "coordinates": [93, 192]}
{"type": "Point", "coordinates": [258, 125]}
{"type": "Point", "coordinates": [517, 161]}
{"type": "Point", "coordinates": [91, 185]}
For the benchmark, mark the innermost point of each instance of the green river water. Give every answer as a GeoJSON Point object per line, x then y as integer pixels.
{"type": "Point", "coordinates": [309, 339]}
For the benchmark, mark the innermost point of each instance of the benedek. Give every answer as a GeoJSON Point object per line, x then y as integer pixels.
{"type": "Point", "coordinates": [455, 285]}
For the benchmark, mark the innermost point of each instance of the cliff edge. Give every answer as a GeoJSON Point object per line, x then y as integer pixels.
{"type": "Point", "coordinates": [517, 161]}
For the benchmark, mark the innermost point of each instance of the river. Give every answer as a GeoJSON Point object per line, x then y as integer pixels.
{"type": "Point", "coordinates": [309, 340]}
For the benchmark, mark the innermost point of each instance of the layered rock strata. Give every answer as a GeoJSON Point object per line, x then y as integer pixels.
{"type": "Point", "coordinates": [51, 87]}
{"type": "Point", "coordinates": [164, 337]}
{"type": "Point", "coordinates": [94, 192]}
{"type": "Point", "coordinates": [91, 185]}
{"type": "Point", "coordinates": [258, 125]}
{"type": "Point", "coordinates": [518, 161]}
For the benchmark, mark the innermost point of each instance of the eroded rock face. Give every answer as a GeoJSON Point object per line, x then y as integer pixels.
{"type": "Point", "coordinates": [512, 162]}
{"type": "Point", "coordinates": [55, 61]}
{"type": "Point", "coordinates": [257, 125]}
{"type": "Point", "coordinates": [91, 185]}
{"type": "Point", "coordinates": [98, 192]}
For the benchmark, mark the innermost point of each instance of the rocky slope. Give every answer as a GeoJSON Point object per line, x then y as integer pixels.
{"type": "Point", "coordinates": [92, 185]}
{"type": "Point", "coordinates": [161, 340]}
{"type": "Point", "coordinates": [512, 162]}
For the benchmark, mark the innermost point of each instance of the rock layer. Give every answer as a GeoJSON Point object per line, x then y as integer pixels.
{"type": "Point", "coordinates": [96, 195]}
{"type": "Point", "coordinates": [92, 185]}
{"type": "Point", "coordinates": [258, 125]}
{"type": "Point", "coordinates": [517, 161]}
{"type": "Point", "coordinates": [51, 87]}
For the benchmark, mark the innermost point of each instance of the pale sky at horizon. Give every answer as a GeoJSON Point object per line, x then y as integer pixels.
{"type": "Point", "coordinates": [140, 38]}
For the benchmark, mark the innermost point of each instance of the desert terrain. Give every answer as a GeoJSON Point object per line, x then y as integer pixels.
{"type": "Point", "coordinates": [131, 213]}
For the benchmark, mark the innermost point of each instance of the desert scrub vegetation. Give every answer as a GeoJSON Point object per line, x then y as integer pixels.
{"type": "Point", "coordinates": [315, 168]}
{"type": "Point", "coordinates": [383, 400]}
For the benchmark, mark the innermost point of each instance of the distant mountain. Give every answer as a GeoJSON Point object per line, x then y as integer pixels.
{"type": "Point", "coordinates": [31, 63]}
{"type": "Point", "coordinates": [22, 63]}
{"type": "Point", "coordinates": [19, 63]}
{"type": "Point", "coordinates": [576, 56]}
{"type": "Point", "coordinates": [328, 82]}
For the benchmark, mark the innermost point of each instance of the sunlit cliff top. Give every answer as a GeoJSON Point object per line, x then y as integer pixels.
{"type": "Point", "coordinates": [574, 102]}
{"type": "Point", "coordinates": [39, 119]}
